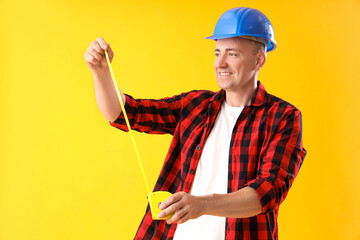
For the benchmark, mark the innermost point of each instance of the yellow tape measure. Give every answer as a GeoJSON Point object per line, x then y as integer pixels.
{"type": "Point", "coordinates": [127, 121]}
{"type": "Point", "coordinates": [154, 197]}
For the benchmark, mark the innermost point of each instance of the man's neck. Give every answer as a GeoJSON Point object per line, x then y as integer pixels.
{"type": "Point", "coordinates": [241, 97]}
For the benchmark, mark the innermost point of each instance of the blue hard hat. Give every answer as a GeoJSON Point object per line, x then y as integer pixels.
{"type": "Point", "coordinates": [244, 21]}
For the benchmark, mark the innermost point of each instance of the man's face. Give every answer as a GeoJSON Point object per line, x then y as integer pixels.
{"type": "Point", "coordinates": [235, 63]}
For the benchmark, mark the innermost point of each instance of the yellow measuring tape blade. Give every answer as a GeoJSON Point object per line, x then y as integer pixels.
{"type": "Point", "coordinates": [127, 122]}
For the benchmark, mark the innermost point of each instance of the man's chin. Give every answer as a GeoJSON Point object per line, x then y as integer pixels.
{"type": "Point", "coordinates": [223, 85]}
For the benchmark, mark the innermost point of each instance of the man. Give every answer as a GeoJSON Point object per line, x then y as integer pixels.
{"type": "Point", "coordinates": [234, 153]}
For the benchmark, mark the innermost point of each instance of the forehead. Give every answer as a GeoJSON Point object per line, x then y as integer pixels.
{"type": "Point", "coordinates": [233, 43]}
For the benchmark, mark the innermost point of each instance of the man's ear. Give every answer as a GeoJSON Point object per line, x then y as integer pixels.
{"type": "Point", "coordinates": [260, 60]}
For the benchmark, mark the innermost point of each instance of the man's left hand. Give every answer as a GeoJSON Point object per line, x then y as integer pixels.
{"type": "Point", "coordinates": [184, 205]}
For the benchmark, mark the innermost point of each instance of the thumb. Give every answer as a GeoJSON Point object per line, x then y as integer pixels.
{"type": "Point", "coordinates": [105, 46]}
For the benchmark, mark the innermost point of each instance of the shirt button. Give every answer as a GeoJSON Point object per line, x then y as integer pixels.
{"type": "Point", "coordinates": [198, 148]}
{"type": "Point", "coordinates": [205, 124]}
{"type": "Point", "coordinates": [191, 171]}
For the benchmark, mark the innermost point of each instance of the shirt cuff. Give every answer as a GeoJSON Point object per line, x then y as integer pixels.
{"type": "Point", "coordinates": [120, 122]}
{"type": "Point", "coordinates": [266, 194]}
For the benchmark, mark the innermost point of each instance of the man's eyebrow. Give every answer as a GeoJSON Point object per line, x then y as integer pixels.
{"type": "Point", "coordinates": [227, 49]}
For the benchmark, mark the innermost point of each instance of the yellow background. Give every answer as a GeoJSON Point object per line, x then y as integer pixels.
{"type": "Point", "coordinates": [66, 174]}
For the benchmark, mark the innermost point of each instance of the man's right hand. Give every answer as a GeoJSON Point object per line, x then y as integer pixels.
{"type": "Point", "coordinates": [106, 96]}
{"type": "Point", "coordinates": [95, 55]}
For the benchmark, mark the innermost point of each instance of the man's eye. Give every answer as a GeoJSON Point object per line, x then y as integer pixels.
{"type": "Point", "coordinates": [217, 54]}
{"type": "Point", "coordinates": [233, 54]}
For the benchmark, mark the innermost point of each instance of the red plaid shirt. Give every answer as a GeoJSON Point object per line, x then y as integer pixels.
{"type": "Point", "coordinates": [266, 153]}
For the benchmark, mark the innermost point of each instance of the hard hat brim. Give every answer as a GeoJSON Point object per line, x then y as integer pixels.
{"type": "Point", "coordinates": [222, 36]}
{"type": "Point", "coordinates": [271, 45]}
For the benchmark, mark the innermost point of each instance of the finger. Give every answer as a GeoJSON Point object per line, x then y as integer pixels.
{"type": "Point", "coordinates": [96, 55]}
{"type": "Point", "coordinates": [110, 52]}
{"type": "Point", "coordinates": [178, 215]}
{"type": "Point", "coordinates": [96, 46]}
{"type": "Point", "coordinates": [171, 209]}
{"type": "Point", "coordinates": [184, 218]}
{"type": "Point", "coordinates": [101, 46]}
{"type": "Point", "coordinates": [91, 59]}
{"type": "Point", "coordinates": [102, 43]}
{"type": "Point", "coordinates": [170, 200]}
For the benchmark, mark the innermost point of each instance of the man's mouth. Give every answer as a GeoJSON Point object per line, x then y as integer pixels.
{"type": "Point", "coordinates": [225, 73]}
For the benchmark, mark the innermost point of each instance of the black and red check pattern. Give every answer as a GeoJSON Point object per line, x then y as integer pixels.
{"type": "Point", "coordinates": [266, 152]}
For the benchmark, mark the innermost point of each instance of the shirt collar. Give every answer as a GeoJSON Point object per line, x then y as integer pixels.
{"type": "Point", "coordinates": [261, 96]}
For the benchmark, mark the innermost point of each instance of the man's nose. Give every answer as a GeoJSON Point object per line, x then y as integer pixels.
{"type": "Point", "coordinates": [220, 62]}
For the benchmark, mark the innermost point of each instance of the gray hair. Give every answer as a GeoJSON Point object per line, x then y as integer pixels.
{"type": "Point", "coordinates": [260, 44]}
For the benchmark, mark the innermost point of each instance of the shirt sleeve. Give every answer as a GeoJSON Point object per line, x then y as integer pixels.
{"type": "Point", "coordinates": [280, 163]}
{"type": "Point", "coordinates": [149, 115]}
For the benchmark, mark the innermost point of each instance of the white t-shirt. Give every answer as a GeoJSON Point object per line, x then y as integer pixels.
{"type": "Point", "coordinates": [212, 177]}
